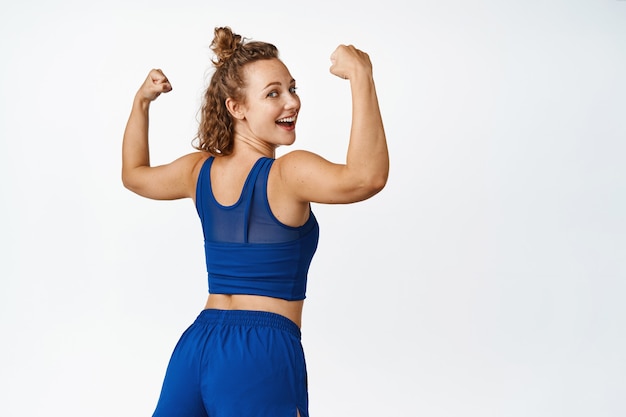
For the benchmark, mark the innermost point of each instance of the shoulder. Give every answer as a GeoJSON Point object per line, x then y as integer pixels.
{"type": "Point", "coordinates": [298, 161]}
{"type": "Point", "coordinates": [188, 167]}
{"type": "Point", "coordinates": [192, 163]}
{"type": "Point", "coordinates": [296, 155]}
{"type": "Point", "coordinates": [307, 176]}
{"type": "Point", "coordinates": [171, 181]}
{"type": "Point", "coordinates": [195, 157]}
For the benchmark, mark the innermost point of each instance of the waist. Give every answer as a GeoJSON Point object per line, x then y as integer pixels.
{"type": "Point", "coordinates": [289, 309]}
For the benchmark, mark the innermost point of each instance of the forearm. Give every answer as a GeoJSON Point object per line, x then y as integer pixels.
{"type": "Point", "coordinates": [135, 149]}
{"type": "Point", "coordinates": [368, 157]}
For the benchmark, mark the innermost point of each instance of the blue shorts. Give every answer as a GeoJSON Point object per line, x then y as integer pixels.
{"type": "Point", "coordinates": [236, 363]}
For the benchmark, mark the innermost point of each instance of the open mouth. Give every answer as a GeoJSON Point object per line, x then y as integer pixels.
{"type": "Point", "coordinates": [287, 121]}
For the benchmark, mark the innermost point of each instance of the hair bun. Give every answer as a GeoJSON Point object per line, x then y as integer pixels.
{"type": "Point", "coordinates": [225, 43]}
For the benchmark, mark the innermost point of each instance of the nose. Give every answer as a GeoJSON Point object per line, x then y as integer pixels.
{"type": "Point", "coordinates": [292, 102]}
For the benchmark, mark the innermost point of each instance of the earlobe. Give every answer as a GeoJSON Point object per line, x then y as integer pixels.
{"type": "Point", "coordinates": [234, 108]}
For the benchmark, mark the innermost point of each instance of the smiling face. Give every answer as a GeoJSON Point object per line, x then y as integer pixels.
{"type": "Point", "coordinates": [270, 108]}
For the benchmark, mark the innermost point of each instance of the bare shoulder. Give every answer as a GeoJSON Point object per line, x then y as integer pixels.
{"type": "Point", "coordinates": [188, 166]}
{"type": "Point", "coordinates": [195, 160]}
{"type": "Point", "coordinates": [170, 181]}
{"type": "Point", "coordinates": [300, 161]}
{"type": "Point", "coordinates": [302, 168]}
{"type": "Point", "coordinates": [311, 178]}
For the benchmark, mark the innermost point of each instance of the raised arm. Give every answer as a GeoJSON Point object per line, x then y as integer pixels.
{"type": "Point", "coordinates": [312, 178]}
{"type": "Point", "coordinates": [165, 182]}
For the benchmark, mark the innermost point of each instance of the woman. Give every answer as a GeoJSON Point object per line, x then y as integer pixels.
{"type": "Point", "coordinates": [242, 356]}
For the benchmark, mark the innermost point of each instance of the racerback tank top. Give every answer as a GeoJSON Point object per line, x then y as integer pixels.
{"type": "Point", "coordinates": [248, 251]}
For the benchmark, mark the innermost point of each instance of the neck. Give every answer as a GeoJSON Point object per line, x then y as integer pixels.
{"type": "Point", "coordinates": [247, 144]}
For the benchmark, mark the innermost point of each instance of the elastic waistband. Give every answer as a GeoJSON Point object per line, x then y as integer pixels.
{"type": "Point", "coordinates": [249, 318]}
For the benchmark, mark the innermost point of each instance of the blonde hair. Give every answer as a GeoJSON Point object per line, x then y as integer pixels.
{"type": "Point", "coordinates": [232, 53]}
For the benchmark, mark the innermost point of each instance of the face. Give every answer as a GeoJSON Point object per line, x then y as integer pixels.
{"type": "Point", "coordinates": [270, 109]}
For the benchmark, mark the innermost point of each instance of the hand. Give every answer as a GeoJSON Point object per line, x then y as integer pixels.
{"type": "Point", "coordinates": [348, 61]}
{"type": "Point", "coordinates": [155, 84]}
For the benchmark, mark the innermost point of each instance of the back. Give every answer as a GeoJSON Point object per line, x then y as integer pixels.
{"type": "Point", "coordinates": [248, 251]}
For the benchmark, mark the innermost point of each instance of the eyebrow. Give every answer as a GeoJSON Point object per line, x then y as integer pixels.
{"type": "Point", "coordinates": [279, 83]}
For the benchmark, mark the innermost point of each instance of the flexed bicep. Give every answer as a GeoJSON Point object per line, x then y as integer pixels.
{"type": "Point", "coordinates": [311, 178]}
{"type": "Point", "coordinates": [165, 182]}
{"type": "Point", "coordinates": [314, 179]}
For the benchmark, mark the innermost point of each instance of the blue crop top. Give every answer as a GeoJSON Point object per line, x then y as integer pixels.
{"type": "Point", "coordinates": [248, 251]}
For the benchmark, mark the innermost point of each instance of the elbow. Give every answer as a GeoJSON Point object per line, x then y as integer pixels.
{"type": "Point", "coordinates": [126, 184]}
{"type": "Point", "coordinates": [378, 178]}
{"type": "Point", "coordinates": [373, 185]}
{"type": "Point", "coordinates": [380, 183]}
{"type": "Point", "coordinates": [377, 183]}
{"type": "Point", "coordinates": [127, 181]}
{"type": "Point", "coordinates": [375, 178]}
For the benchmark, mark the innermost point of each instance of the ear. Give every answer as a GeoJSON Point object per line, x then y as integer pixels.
{"type": "Point", "coordinates": [234, 108]}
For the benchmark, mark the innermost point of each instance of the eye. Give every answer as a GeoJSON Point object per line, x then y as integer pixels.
{"type": "Point", "coordinates": [272, 94]}
{"type": "Point", "coordinates": [293, 89]}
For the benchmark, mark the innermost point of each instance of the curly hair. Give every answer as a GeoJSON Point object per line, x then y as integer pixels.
{"type": "Point", "coordinates": [232, 53]}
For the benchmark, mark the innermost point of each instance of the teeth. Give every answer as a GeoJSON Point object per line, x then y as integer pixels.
{"type": "Point", "coordinates": [287, 120]}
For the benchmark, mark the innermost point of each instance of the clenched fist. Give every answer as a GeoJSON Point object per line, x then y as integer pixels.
{"type": "Point", "coordinates": [348, 62]}
{"type": "Point", "coordinates": [155, 84]}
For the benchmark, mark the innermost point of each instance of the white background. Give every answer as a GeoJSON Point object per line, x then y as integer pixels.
{"type": "Point", "coordinates": [487, 279]}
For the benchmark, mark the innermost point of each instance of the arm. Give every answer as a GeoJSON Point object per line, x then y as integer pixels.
{"type": "Point", "coordinates": [312, 178]}
{"type": "Point", "coordinates": [165, 182]}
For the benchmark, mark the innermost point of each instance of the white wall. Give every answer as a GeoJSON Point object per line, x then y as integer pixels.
{"type": "Point", "coordinates": [487, 279]}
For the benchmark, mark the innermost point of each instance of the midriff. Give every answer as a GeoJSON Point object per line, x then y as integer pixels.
{"type": "Point", "coordinates": [290, 309]}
